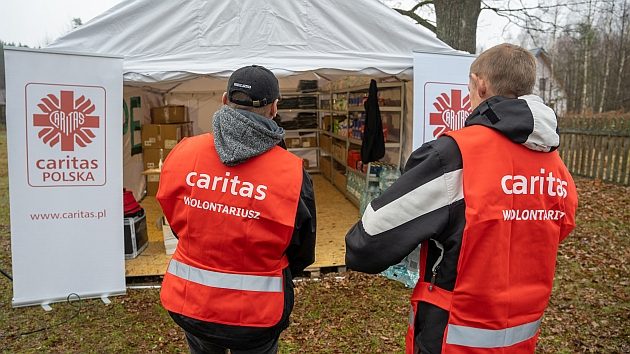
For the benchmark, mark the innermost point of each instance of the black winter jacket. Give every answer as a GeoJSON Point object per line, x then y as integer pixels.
{"type": "Point", "coordinates": [394, 224]}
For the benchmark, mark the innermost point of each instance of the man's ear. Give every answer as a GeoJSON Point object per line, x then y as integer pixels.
{"type": "Point", "coordinates": [482, 88]}
{"type": "Point", "coordinates": [274, 108]}
{"type": "Point", "coordinates": [224, 99]}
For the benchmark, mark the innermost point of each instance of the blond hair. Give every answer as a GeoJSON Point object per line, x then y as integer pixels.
{"type": "Point", "coordinates": [263, 111]}
{"type": "Point", "coordinates": [510, 70]}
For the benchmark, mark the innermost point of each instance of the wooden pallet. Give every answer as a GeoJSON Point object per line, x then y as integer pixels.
{"type": "Point", "coordinates": [317, 272]}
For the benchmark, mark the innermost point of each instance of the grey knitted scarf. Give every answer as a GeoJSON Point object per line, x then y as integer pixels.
{"type": "Point", "coordinates": [240, 135]}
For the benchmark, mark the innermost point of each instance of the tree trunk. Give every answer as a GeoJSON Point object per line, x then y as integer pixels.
{"type": "Point", "coordinates": [607, 54]}
{"type": "Point", "coordinates": [587, 51]}
{"type": "Point", "coordinates": [622, 53]}
{"type": "Point", "coordinates": [457, 24]}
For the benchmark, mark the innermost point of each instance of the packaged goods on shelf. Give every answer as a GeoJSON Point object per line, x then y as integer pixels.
{"type": "Point", "coordinates": [354, 157]}
{"type": "Point", "coordinates": [288, 103]}
{"type": "Point", "coordinates": [380, 176]}
{"type": "Point", "coordinates": [355, 183]}
{"type": "Point", "coordinates": [307, 102]}
{"type": "Point", "coordinates": [307, 120]}
{"type": "Point", "coordinates": [307, 85]}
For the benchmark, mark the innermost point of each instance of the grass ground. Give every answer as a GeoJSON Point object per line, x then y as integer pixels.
{"type": "Point", "coordinates": [352, 312]}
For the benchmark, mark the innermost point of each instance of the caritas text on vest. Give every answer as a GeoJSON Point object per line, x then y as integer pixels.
{"type": "Point", "coordinates": [225, 183]}
{"type": "Point", "coordinates": [550, 185]}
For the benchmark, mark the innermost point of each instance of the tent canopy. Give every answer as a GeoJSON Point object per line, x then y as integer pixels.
{"type": "Point", "coordinates": [167, 42]}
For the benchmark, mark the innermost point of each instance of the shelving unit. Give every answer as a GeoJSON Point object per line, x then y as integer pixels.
{"type": "Point", "coordinates": [298, 114]}
{"type": "Point", "coordinates": [337, 141]}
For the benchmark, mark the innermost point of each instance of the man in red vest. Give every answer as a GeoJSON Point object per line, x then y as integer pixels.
{"type": "Point", "coordinates": [243, 209]}
{"type": "Point", "coordinates": [489, 205]}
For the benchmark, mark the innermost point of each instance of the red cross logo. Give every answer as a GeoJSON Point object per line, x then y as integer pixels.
{"type": "Point", "coordinates": [66, 120]}
{"type": "Point", "coordinates": [451, 112]}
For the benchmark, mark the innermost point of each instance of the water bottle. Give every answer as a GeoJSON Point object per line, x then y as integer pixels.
{"type": "Point", "coordinates": [413, 267]}
{"type": "Point", "coordinates": [389, 175]}
{"type": "Point", "coordinates": [372, 192]}
{"type": "Point", "coordinates": [397, 272]}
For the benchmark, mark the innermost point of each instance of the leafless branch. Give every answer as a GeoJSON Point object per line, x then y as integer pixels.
{"type": "Point", "coordinates": [412, 14]}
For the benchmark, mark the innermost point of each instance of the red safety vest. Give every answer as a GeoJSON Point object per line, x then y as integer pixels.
{"type": "Point", "coordinates": [519, 205]}
{"type": "Point", "coordinates": [234, 225]}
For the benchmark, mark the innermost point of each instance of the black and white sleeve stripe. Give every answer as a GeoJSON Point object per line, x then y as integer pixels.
{"type": "Point", "coordinates": [413, 209]}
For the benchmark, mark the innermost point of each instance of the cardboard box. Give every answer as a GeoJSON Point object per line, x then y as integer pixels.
{"type": "Point", "coordinates": [325, 166]}
{"type": "Point", "coordinates": [164, 136]}
{"type": "Point", "coordinates": [293, 142]}
{"type": "Point", "coordinates": [169, 114]}
{"type": "Point", "coordinates": [170, 241]}
{"type": "Point", "coordinates": [153, 182]}
{"type": "Point", "coordinates": [309, 158]}
{"type": "Point", "coordinates": [339, 151]}
{"type": "Point", "coordinates": [151, 157]}
{"type": "Point", "coordinates": [325, 143]}
{"type": "Point", "coordinates": [339, 180]}
{"type": "Point", "coordinates": [309, 141]}
{"type": "Point", "coordinates": [136, 236]}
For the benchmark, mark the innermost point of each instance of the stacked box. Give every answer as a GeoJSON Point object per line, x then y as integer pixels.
{"type": "Point", "coordinates": [339, 179]}
{"type": "Point", "coordinates": [169, 115]}
{"type": "Point", "coordinates": [161, 136]}
{"type": "Point", "coordinates": [325, 143]}
{"type": "Point", "coordinates": [339, 151]}
{"type": "Point", "coordinates": [325, 166]}
{"type": "Point", "coordinates": [152, 157]}
{"type": "Point", "coordinates": [153, 182]}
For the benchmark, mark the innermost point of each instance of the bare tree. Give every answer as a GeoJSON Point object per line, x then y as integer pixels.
{"type": "Point", "coordinates": [622, 52]}
{"type": "Point", "coordinates": [456, 23]}
{"type": "Point", "coordinates": [607, 56]}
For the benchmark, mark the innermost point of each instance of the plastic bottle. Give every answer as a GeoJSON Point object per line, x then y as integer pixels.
{"type": "Point", "coordinates": [388, 176]}
{"type": "Point", "coordinates": [413, 268]}
{"type": "Point", "coordinates": [397, 272]}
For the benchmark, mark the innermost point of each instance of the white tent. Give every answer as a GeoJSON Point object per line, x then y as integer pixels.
{"type": "Point", "coordinates": [165, 41]}
{"type": "Point", "coordinates": [182, 52]}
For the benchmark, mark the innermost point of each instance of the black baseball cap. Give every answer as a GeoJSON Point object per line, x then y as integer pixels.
{"type": "Point", "coordinates": [257, 82]}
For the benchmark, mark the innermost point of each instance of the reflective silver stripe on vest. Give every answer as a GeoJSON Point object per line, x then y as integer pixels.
{"type": "Point", "coordinates": [412, 317]}
{"type": "Point", "coordinates": [490, 338]}
{"type": "Point", "coordinates": [225, 280]}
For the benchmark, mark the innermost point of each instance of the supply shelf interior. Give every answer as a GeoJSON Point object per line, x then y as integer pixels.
{"type": "Point", "coordinates": [340, 146]}
{"type": "Point", "coordinates": [298, 114]}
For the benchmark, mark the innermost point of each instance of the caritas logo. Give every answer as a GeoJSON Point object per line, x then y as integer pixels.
{"type": "Point", "coordinates": [450, 106]}
{"type": "Point", "coordinates": [65, 135]}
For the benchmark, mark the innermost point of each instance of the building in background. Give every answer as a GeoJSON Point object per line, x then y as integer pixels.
{"type": "Point", "coordinates": [547, 87]}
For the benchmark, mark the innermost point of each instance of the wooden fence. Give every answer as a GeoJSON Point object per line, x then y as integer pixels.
{"type": "Point", "coordinates": [597, 147]}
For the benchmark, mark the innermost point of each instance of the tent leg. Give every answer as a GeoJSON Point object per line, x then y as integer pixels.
{"type": "Point", "coordinates": [46, 307]}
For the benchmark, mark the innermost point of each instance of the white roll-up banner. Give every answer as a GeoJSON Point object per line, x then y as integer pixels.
{"type": "Point", "coordinates": [440, 89]}
{"type": "Point", "coordinates": [64, 132]}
